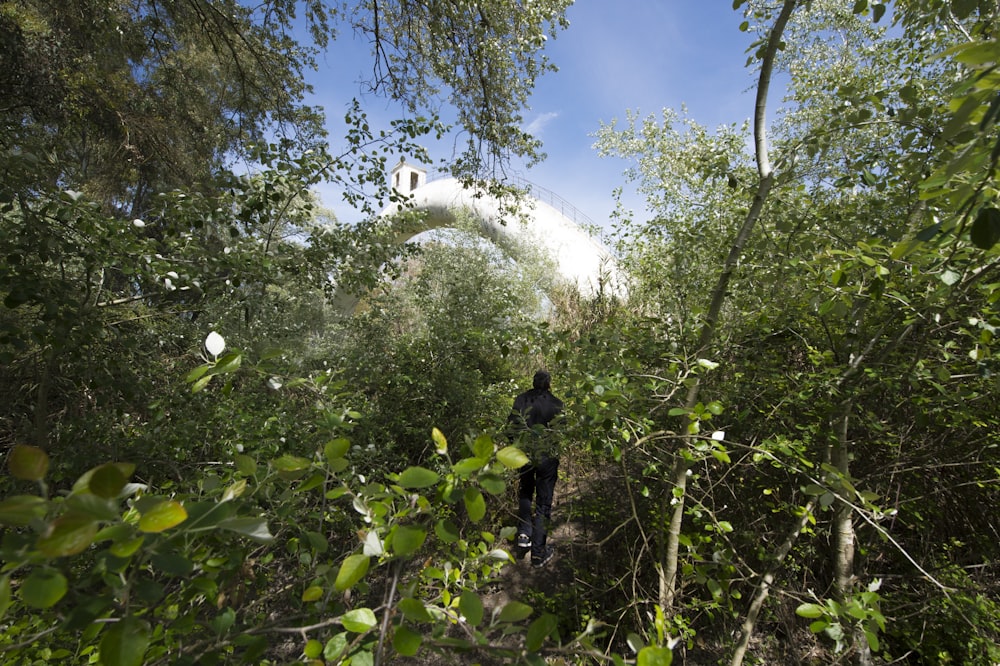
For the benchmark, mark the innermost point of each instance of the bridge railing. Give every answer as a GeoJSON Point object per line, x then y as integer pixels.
{"type": "Point", "coordinates": [543, 194]}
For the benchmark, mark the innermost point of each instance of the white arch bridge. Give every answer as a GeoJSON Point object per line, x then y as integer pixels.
{"type": "Point", "coordinates": [579, 259]}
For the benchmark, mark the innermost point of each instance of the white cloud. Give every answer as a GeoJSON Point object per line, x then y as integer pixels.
{"type": "Point", "coordinates": [536, 126]}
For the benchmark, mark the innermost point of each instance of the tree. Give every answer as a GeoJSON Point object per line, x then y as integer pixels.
{"type": "Point", "coordinates": [843, 274]}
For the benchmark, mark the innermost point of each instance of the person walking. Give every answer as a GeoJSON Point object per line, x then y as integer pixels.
{"type": "Point", "coordinates": [531, 421]}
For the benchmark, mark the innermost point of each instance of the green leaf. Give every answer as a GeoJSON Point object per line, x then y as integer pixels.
{"type": "Point", "coordinates": [440, 442]}
{"type": "Point", "coordinates": [109, 479]}
{"type": "Point", "coordinates": [69, 534]}
{"type": "Point", "coordinates": [950, 277]}
{"type": "Point", "coordinates": [514, 611]}
{"type": "Point", "coordinates": [335, 647]}
{"type": "Point", "coordinates": [336, 449]}
{"type": "Point", "coordinates": [414, 610]}
{"type": "Point", "coordinates": [98, 508]}
{"type": "Point", "coordinates": [446, 531]}
{"type": "Point", "coordinates": [43, 588]}
{"type": "Point", "coordinates": [986, 228]}
{"type": "Point", "coordinates": [313, 649]}
{"type": "Point", "coordinates": [359, 620]}
{"type": "Point", "coordinates": [229, 363]}
{"type": "Point", "coordinates": [254, 528]}
{"type": "Point", "coordinates": [471, 607]}
{"type": "Point", "coordinates": [173, 564]}
{"type": "Point", "coordinates": [407, 540]}
{"type": "Point", "coordinates": [162, 517]}
{"type": "Point", "coordinates": [809, 610]}
{"type": "Point", "coordinates": [405, 641]}
{"type": "Point", "coordinates": [197, 373]}
{"type": "Point", "coordinates": [124, 549]}
{"type": "Point", "coordinates": [467, 466]}
{"type": "Point", "coordinates": [482, 447]}
{"type": "Point", "coordinates": [721, 456]}
{"type": "Point", "coordinates": [418, 477]}
{"type": "Point", "coordinates": [312, 593]}
{"type": "Point", "coordinates": [654, 656]}
{"type": "Point", "coordinates": [539, 630]}
{"type": "Point", "coordinates": [512, 457]}
{"type": "Point", "coordinates": [352, 569]}
{"type": "Point", "coordinates": [475, 505]}
{"type": "Point", "coordinates": [5, 595]}
{"type": "Point", "coordinates": [125, 643]}
{"type": "Point", "coordinates": [20, 510]}
{"type": "Point", "coordinates": [492, 483]}
{"type": "Point", "coordinates": [246, 465]}
{"type": "Point", "coordinates": [28, 463]}
{"type": "Point", "coordinates": [201, 383]}
{"type": "Point", "coordinates": [290, 463]}
{"type": "Point", "coordinates": [223, 622]}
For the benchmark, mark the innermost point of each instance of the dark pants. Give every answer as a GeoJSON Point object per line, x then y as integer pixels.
{"type": "Point", "coordinates": [538, 483]}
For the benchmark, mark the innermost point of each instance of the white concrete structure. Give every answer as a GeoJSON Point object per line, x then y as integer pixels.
{"type": "Point", "coordinates": [580, 259]}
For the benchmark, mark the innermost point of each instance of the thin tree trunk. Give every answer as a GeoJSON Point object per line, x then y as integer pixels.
{"type": "Point", "coordinates": [668, 568]}
{"type": "Point", "coordinates": [844, 538]}
{"type": "Point", "coordinates": [764, 586]}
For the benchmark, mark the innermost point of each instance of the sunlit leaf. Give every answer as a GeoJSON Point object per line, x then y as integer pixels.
{"type": "Point", "coordinates": [440, 442]}
{"type": "Point", "coordinates": [335, 647]}
{"type": "Point", "coordinates": [290, 463]}
{"type": "Point", "coordinates": [359, 620]}
{"type": "Point", "coordinates": [654, 656]}
{"type": "Point", "coordinates": [312, 593]}
{"type": "Point", "coordinates": [512, 457]}
{"type": "Point", "coordinates": [313, 649]}
{"type": "Point", "coordinates": [809, 610]}
{"type": "Point", "coordinates": [163, 516]}
{"type": "Point", "coordinates": [482, 447]}
{"type": "Point", "coordinates": [352, 569]}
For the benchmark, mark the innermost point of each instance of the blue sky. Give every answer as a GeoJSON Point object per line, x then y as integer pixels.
{"type": "Point", "coordinates": [643, 55]}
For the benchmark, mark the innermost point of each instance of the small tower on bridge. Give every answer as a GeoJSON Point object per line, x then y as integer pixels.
{"type": "Point", "coordinates": [405, 177]}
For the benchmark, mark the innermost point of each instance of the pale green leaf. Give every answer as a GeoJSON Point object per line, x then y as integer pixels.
{"type": "Point", "coordinates": [352, 569]}
{"type": "Point", "coordinates": [359, 620]}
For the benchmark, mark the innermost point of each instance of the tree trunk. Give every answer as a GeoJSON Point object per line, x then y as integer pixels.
{"type": "Point", "coordinates": [668, 568]}
{"type": "Point", "coordinates": [764, 586]}
{"type": "Point", "coordinates": [843, 533]}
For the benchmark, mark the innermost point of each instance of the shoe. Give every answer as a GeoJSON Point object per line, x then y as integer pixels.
{"type": "Point", "coordinates": [523, 541]}
{"type": "Point", "coordinates": [538, 562]}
